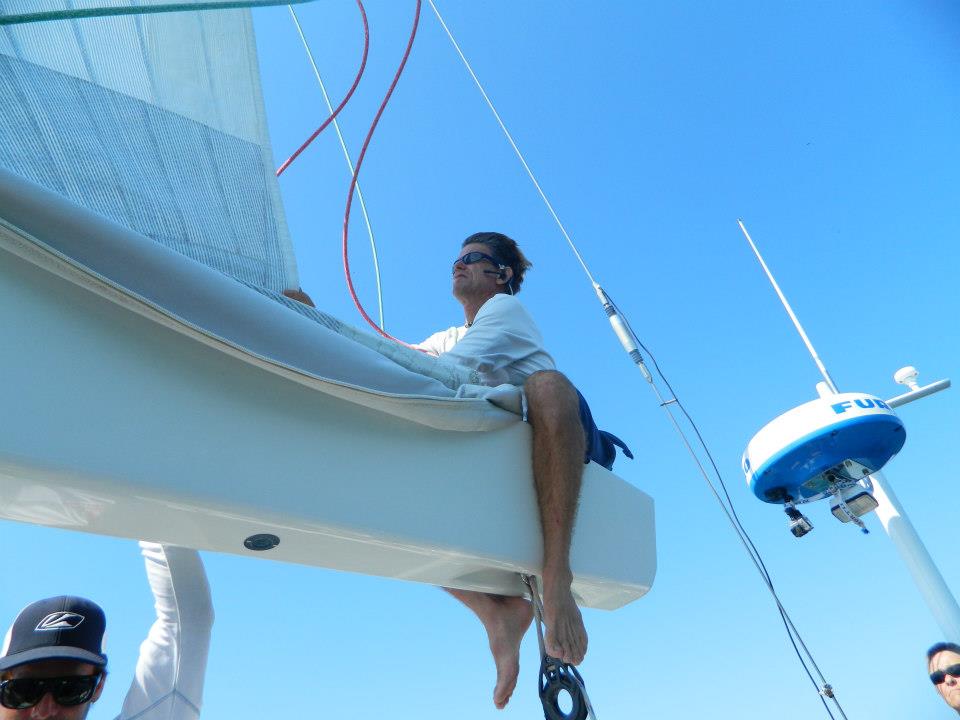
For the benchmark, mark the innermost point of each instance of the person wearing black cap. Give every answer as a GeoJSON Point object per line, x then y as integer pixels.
{"type": "Point", "coordinates": [53, 664]}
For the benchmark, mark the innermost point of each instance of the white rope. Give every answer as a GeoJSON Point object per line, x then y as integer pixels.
{"type": "Point", "coordinates": [346, 155]}
{"type": "Point", "coordinates": [512, 143]}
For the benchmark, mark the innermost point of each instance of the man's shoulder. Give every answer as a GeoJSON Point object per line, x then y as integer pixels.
{"type": "Point", "coordinates": [503, 304]}
{"type": "Point", "coordinates": [504, 313]}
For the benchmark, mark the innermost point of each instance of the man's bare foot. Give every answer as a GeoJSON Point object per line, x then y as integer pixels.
{"type": "Point", "coordinates": [505, 619]}
{"type": "Point", "coordinates": [505, 631]}
{"type": "Point", "coordinates": [566, 636]}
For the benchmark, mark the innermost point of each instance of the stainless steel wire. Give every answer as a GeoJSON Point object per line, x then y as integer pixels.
{"type": "Point", "coordinates": [513, 144]}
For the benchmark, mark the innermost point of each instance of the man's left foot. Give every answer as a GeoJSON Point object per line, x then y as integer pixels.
{"type": "Point", "coordinates": [505, 631]}
{"type": "Point", "coordinates": [566, 637]}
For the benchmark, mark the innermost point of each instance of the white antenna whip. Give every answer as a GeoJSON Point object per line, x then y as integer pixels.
{"type": "Point", "coordinates": [786, 306]}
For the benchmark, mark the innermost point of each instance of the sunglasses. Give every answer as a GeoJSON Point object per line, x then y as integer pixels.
{"type": "Point", "coordinates": [474, 257]}
{"type": "Point", "coordinates": [66, 691]}
{"type": "Point", "coordinates": [938, 676]}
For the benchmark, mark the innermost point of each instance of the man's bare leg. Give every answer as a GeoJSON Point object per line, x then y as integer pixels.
{"type": "Point", "coordinates": [559, 445]}
{"type": "Point", "coordinates": [505, 619]}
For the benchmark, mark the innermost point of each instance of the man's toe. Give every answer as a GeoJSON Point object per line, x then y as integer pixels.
{"type": "Point", "coordinates": [503, 692]}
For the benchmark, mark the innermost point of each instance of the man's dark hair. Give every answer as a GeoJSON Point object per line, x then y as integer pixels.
{"type": "Point", "coordinates": [942, 647]}
{"type": "Point", "coordinates": [507, 252]}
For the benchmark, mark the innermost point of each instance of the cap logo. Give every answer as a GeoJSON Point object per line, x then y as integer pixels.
{"type": "Point", "coordinates": [60, 621]}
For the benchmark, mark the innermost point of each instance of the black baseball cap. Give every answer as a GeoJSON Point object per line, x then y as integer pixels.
{"type": "Point", "coordinates": [58, 628]}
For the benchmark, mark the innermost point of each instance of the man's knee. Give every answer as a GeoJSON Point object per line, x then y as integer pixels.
{"type": "Point", "coordinates": [551, 395]}
{"type": "Point", "coordinates": [549, 384]}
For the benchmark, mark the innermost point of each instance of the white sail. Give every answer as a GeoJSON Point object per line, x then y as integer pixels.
{"type": "Point", "coordinates": [155, 122]}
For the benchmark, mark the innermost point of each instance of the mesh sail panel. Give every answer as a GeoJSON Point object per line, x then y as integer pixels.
{"type": "Point", "coordinates": [155, 121]}
{"type": "Point", "coordinates": [24, 11]}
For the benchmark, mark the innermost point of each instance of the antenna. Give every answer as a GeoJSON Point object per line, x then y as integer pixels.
{"type": "Point", "coordinates": [786, 306]}
{"type": "Point", "coordinates": [848, 501]}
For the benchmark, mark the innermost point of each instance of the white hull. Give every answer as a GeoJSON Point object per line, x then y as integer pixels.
{"type": "Point", "coordinates": [119, 419]}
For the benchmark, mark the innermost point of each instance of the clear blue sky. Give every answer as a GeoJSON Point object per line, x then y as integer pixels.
{"type": "Point", "coordinates": [830, 128]}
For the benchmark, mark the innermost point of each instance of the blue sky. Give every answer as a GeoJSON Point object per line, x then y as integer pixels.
{"type": "Point", "coordinates": [829, 128]}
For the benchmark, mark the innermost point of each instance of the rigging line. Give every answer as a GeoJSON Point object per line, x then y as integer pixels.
{"type": "Point", "coordinates": [334, 113]}
{"type": "Point", "coordinates": [703, 443]}
{"type": "Point", "coordinates": [738, 525]}
{"type": "Point", "coordinates": [633, 345]}
{"type": "Point", "coordinates": [785, 616]}
{"type": "Point", "coordinates": [356, 173]}
{"type": "Point", "coordinates": [747, 542]}
{"type": "Point", "coordinates": [734, 519]}
{"type": "Point", "coordinates": [523, 161]}
{"type": "Point", "coordinates": [346, 154]}
{"type": "Point", "coordinates": [513, 144]}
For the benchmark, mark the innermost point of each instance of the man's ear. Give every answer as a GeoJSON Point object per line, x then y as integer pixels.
{"type": "Point", "coordinates": [506, 276]}
{"type": "Point", "coordinates": [99, 690]}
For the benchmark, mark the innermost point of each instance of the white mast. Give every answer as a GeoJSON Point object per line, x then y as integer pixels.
{"type": "Point", "coordinates": [893, 517]}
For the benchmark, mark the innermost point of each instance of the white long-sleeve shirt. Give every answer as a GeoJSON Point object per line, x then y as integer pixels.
{"type": "Point", "coordinates": [503, 344]}
{"type": "Point", "coordinates": [168, 682]}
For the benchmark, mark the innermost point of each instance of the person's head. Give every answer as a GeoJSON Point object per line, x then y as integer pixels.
{"type": "Point", "coordinates": [499, 267]}
{"type": "Point", "coordinates": [52, 665]}
{"type": "Point", "coordinates": [943, 664]}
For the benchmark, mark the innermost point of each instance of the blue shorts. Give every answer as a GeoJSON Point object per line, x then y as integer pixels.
{"type": "Point", "coordinates": [601, 445]}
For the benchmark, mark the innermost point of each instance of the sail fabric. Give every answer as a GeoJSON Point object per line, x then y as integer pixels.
{"type": "Point", "coordinates": [455, 377]}
{"type": "Point", "coordinates": [307, 346]}
{"type": "Point", "coordinates": [24, 11]}
{"type": "Point", "coordinates": [155, 122]}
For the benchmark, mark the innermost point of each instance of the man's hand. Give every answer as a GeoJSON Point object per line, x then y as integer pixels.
{"type": "Point", "coordinates": [300, 296]}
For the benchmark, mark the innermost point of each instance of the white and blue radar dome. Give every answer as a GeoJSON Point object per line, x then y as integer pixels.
{"type": "Point", "coordinates": [786, 460]}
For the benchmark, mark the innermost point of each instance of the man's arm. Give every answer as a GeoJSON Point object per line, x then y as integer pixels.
{"type": "Point", "coordinates": [168, 682]}
{"type": "Point", "coordinates": [439, 342]}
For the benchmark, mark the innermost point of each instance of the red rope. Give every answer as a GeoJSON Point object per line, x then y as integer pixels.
{"type": "Point", "coordinates": [356, 81]}
{"type": "Point", "coordinates": [356, 173]}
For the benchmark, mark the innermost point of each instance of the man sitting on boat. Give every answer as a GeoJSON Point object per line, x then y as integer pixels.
{"type": "Point", "coordinates": [501, 341]}
{"type": "Point", "coordinates": [53, 664]}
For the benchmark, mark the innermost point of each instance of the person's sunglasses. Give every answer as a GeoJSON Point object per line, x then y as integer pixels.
{"type": "Point", "coordinates": [66, 691]}
{"type": "Point", "coordinates": [474, 257]}
{"type": "Point", "coordinates": [938, 676]}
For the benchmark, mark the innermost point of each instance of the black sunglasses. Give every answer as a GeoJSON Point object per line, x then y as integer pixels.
{"type": "Point", "coordinates": [939, 676]}
{"type": "Point", "coordinates": [474, 257]}
{"type": "Point", "coordinates": [67, 691]}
